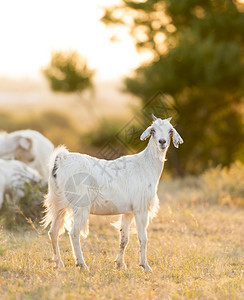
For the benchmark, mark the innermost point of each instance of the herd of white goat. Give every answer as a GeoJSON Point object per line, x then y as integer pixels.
{"type": "Point", "coordinates": [24, 157]}
{"type": "Point", "coordinates": [80, 184]}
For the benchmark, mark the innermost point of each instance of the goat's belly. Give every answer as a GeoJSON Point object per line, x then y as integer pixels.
{"type": "Point", "coordinates": [110, 208]}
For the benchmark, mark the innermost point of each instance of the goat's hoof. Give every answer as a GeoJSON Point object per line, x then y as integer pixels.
{"type": "Point", "coordinates": [120, 265]}
{"type": "Point", "coordinates": [58, 264]}
{"type": "Point", "coordinates": [146, 268]}
{"type": "Point", "coordinates": [82, 266]}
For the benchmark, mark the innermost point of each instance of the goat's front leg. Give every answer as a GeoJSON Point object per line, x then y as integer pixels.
{"type": "Point", "coordinates": [141, 226]}
{"type": "Point", "coordinates": [126, 220]}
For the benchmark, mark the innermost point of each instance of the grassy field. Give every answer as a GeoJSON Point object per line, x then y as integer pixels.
{"type": "Point", "coordinates": [196, 251]}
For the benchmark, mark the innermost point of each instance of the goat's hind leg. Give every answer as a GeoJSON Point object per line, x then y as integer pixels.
{"type": "Point", "coordinates": [126, 220]}
{"type": "Point", "coordinates": [57, 224]}
{"type": "Point", "coordinates": [80, 223]}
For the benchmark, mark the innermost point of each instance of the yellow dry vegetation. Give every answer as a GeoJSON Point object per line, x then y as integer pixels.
{"type": "Point", "coordinates": [196, 250]}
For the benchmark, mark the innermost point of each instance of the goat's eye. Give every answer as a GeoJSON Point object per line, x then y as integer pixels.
{"type": "Point", "coordinates": [152, 131]}
{"type": "Point", "coordinates": [171, 132]}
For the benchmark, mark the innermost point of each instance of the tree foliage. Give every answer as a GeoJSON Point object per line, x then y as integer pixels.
{"type": "Point", "coordinates": [68, 72]}
{"type": "Point", "coordinates": [197, 48]}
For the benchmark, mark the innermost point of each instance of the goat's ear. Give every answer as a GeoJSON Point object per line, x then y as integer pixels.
{"type": "Point", "coordinates": [177, 139]}
{"type": "Point", "coordinates": [146, 133]}
{"type": "Point", "coordinates": [25, 143]}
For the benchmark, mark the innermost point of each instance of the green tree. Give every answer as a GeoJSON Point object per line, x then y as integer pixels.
{"type": "Point", "coordinates": [197, 48]}
{"type": "Point", "coordinates": [68, 72]}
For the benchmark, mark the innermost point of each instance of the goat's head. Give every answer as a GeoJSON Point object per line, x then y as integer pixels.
{"type": "Point", "coordinates": [23, 150]}
{"type": "Point", "coordinates": [162, 131]}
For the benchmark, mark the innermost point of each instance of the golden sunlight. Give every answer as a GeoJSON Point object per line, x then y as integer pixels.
{"type": "Point", "coordinates": [31, 30]}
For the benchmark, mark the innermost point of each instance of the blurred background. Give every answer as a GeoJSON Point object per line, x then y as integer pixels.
{"type": "Point", "coordinates": [89, 74]}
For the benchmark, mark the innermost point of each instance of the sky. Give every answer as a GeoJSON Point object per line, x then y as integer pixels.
{"type": "Point", "coordinates": [30, 30]}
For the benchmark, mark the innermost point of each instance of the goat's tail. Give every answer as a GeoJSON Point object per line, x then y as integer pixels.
{"type": "Point", "coordinates": [54, 203]}
{"type": "Point", "coordinates": [58, 156]}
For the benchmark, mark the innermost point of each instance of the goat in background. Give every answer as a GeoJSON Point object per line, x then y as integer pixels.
{"type": "Point", "coordinates": [28, 146]}
{"type": "Point", "coordinates": [13, 176]}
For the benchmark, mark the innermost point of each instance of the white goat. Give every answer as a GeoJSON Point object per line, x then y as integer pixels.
{"type": "Point", "coordinates": [80, 185]}
{"type": "Point", "coordinates": [13, 176]}
{"type": "Point", "coordinates": [28, 146]}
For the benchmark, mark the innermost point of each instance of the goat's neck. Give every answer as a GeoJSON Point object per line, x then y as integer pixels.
{"type": "Point", "coordinates": [155, 157]}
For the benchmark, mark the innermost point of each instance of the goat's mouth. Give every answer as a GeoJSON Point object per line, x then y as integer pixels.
{"type": "Point", "coordinates": [162, 147]}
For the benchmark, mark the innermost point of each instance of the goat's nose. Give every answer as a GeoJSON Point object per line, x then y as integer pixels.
{"type": "Point", "coordinates": [162, 141]}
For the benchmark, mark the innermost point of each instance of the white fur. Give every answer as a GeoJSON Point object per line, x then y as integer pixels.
{"type": "Point", "coordinates": [28, 146]}
{"type": "Point", "coordinates": [80, 184]}
{"type": "Point", "coordinates": [13, 175]}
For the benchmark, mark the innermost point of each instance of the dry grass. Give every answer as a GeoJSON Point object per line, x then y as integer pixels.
{"type": "Point", "coordinates": [196, 251]}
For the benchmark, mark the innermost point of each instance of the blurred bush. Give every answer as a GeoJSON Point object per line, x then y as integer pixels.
{"type": "Point", "coordinates": [105, 133]}
{"type": "Point", "coordinates": [68, 72]}
{"type": "Point", "coordinates": [27, 210]}
{"type": "Point", "coordinates": [224, 185]}
{"type": "Point", "coordinates": [215, 186]}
